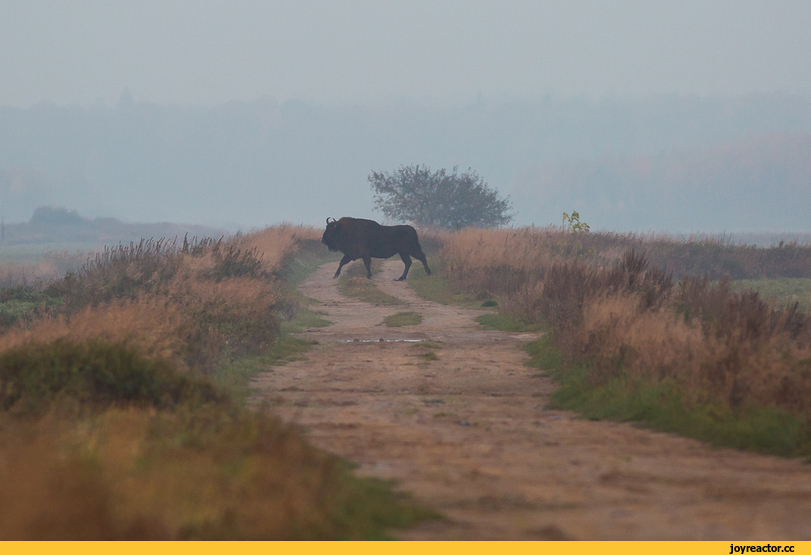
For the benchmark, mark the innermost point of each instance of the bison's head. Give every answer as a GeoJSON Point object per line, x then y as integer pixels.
{"type": "Point", "coordinates": [332, 234]}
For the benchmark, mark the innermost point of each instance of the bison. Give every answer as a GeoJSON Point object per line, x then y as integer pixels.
{"type": "Point", "coordinates": [367, 239]}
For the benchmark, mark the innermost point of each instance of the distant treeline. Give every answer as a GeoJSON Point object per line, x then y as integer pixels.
{"type": "Point", "coordinates": [54, 225]}
{"type": "Point", "coordinates": [670, 163]}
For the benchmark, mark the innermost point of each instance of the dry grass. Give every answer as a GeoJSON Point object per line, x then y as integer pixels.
{"type": "Point", "coordinates": [135, 441]}
{"type": "Point", "coordinates": [152, 475]}
{"type": "Point", "coordinates": [474, 254]}
{"type": "Point", "coordinates": [611, 309]}
{"type": "Point", "coordinates": [192, 303]}
{"type": "Point", "coordinates": [275, 244]}
{"type": "Point", "coordinates": [156, 327]}
{"type": "Point", "coordinates": [192, 325]}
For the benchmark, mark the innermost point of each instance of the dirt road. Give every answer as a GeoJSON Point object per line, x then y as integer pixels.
{"type": "Point", "coordinates": [450, 411]}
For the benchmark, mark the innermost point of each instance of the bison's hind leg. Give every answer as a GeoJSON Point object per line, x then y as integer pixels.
{"type": "Point", "coordinates": [407, 262]}
{"type": "Point", "coordinates": [419, 255]}
{"type": "Point", "coordinates": [367, 261]}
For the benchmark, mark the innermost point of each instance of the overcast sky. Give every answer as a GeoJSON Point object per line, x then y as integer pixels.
{"type": "Point", "coordinates": [203, 52]}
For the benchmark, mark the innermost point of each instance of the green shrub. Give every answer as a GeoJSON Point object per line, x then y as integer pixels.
{"type": "Point", "coordinates": [94, 372]}
{"type": "Point", "coordinates": [24, 302]}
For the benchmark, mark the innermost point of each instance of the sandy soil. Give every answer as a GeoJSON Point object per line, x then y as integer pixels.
{"type": "Point", "coordinates": [468, 432]}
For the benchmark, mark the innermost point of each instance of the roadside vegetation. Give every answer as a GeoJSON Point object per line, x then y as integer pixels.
{"type": "Point", "coordinates": [122, 400]}
{"type": "Point", "coordinates": [435, 287]}
{"type": "Point", "coordinates": [779, 291]}
{"type": "Point", "coordinates": [652, 329]}
{"type": "Point", "coordinates": [353, 283]}
{"type": "Point", "coordinates": [403, 319]}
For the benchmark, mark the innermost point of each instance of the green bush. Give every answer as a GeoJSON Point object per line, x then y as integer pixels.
{"type": "Point", "coordinates": [24, 302]}
{"type": "Point", "coordinates": [94, 372]}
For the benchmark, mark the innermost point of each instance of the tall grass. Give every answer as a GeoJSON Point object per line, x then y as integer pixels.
{"type": "Point", "coordinates": [193, 473]}
{"type": "Point", "coordinates": [113, 420]}
{"type": "Point", "coordinates": [191, 301]}
{"type": "Point", "coordinates": [484, 255]}
{"type": "Point", "coordinates": [624, 319]}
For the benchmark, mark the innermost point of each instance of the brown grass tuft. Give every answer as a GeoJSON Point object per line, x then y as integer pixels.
{"type": "Point", "coordinates": [275, 244]}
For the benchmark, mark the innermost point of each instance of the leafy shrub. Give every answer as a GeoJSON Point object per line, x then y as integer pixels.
{"type": "Point", "coordinates": [24, 303]}
{"type": "Point", "coordinates": [440, 198]}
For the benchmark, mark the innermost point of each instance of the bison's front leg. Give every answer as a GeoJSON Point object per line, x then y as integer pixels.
{"type": "Point", "coordinates": [344, 260]}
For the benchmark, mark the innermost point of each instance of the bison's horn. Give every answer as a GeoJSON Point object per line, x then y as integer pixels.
{"type": "Point", "coordinates": [333, 219]}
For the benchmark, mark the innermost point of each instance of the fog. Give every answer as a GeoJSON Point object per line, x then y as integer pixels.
{"type": "Point", "coordinates": [688, 116]}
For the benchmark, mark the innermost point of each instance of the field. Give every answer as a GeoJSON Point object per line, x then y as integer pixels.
{"type": "Point", "coordinates": [158, 390]}
{"type": "Point", "coordinates": [780, 291]}
{"type": "Point", "coordinates": [122, 411]}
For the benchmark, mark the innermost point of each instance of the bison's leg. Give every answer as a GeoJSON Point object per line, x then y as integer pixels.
{"type": "Point", "coordinates": [419, 255]}
{"type": "Point", "coordinates": [344, 260]}
{"type": "Point", "coordinates": [367, 261]}
{"type": "Point", "coordinates": [407, 262]}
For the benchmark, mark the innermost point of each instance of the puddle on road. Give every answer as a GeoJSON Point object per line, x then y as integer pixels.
{"type": "Point", "coordinates": [381, 340]}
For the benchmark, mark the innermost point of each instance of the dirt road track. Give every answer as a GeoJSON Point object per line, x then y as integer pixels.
{"type": "Point", "coordinates": [466, 430]}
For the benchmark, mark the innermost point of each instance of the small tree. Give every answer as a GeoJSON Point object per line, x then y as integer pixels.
{"type": "Point", "coordinates": [414, 193]}
{"type": "Point", "coordinates": [572, 224]}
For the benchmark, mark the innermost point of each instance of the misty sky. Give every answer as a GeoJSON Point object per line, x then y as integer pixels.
{"type": "Point", "coordinates": [248, 113]}
{"type": "Point", "coordinates": [203, 52]}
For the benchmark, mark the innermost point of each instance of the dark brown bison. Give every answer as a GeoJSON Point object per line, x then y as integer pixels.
{"type": "Point", "coordinates": [366, 239]}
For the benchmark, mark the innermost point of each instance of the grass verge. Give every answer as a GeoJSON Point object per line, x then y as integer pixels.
{"type": "Point", "coordinates": [435, 287]}
{"type": "Point", "coordinates": [235, 376]}
{"type": "Point", "coordinates": [503, 322]}
{"type": "Point", "coordinates": [354, 284]}
{"type": "Point", "coordinates": [661, 407]}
